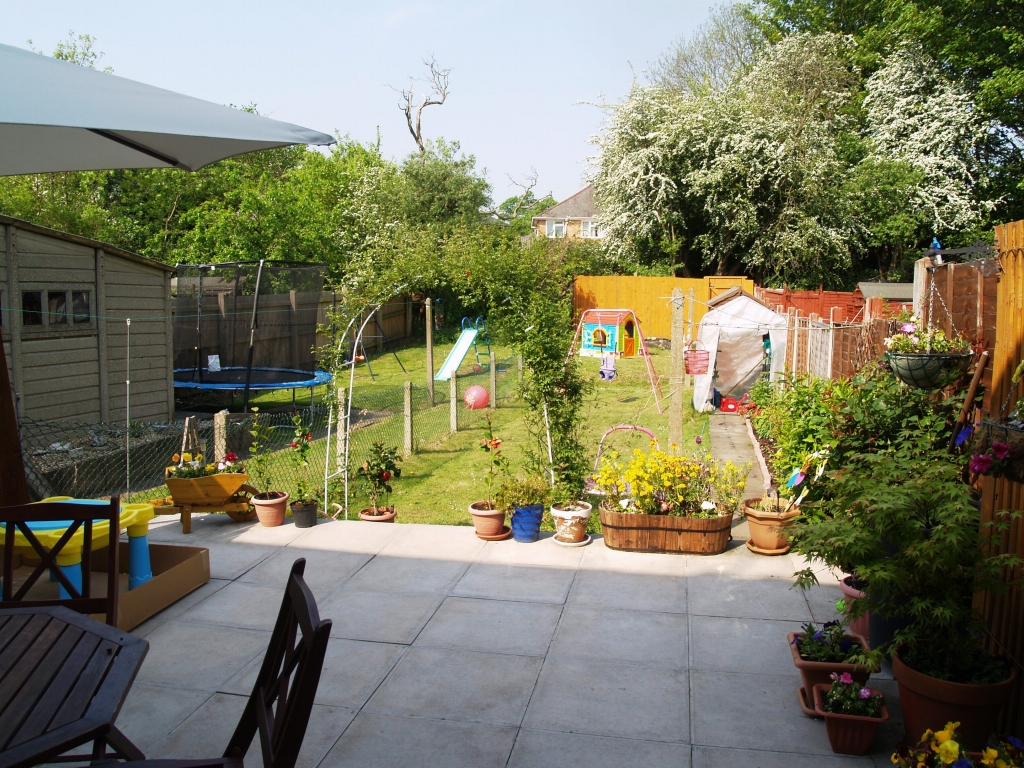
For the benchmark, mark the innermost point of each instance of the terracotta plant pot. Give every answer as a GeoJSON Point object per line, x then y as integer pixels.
{"type": "Point", "coordinates": [848, 734]}
{"type": "Point", "coordinates": [304, 515]}
{"type": "Point", "coordinates": [862, 625]}
{"type": "Point", "coordinates": [768, 529]}
{"type": "Point", "coordinates": [929, 702]}
{"type": "Point", "coordinates": [571, 521]}
{"type": "Point", "coordinates": [488, 522]}
{"type": "Point", "coordinates": [270, 507]}
{"type": "Point", "coordinates": [378, 515]}
{"type": "Point", "coordinates": [817, 672]}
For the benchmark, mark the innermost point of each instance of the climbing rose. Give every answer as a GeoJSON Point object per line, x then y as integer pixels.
{"type": "Point", "coordinates": [294, 444]}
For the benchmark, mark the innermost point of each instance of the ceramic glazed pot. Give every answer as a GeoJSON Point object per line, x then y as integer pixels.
{"type": "Point", "coordinates": [817, 672]}
{"type": "Point", "coordinates": [487, 522]}
{"type": "Point", "coordinates": [571, 521]}
{"type": "Point", "coordinates": [304, 515]}
{"type": "Point", "coordinates": [388, 516]}
{"type": "Point", "coordinates": [768, 529]}
{"type": "Point", "coordinates": [270, 507]}
{"type": "Point", "coordinates": [927, 700]}
{"type": "Point", "coordinates": [848, 734]}
{"type": "Point", "coordinates": [862, 625]}
{"type": "Point", "coordinates": [526, 522]}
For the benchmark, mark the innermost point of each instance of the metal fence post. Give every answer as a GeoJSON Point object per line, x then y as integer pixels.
{"type": "Point", "coordinates": [407, 409]}
{"type": "Point", "coordinates": [494, 384]}
{"type": "Point", "coordinates": [453, 418]}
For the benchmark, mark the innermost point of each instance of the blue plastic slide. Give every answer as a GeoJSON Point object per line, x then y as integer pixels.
{"type": "Point", "coordinates": [457, 355]}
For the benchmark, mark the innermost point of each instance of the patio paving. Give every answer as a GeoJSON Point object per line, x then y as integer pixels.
{"type": "Point", "coordinates": [448, 651]}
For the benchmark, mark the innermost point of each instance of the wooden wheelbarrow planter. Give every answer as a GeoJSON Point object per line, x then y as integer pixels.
{"type": "Point", "coordinates": [226, 492]}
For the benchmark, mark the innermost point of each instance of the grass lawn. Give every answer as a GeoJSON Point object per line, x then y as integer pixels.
{"type": "Point", "coordinates": [440, 481]}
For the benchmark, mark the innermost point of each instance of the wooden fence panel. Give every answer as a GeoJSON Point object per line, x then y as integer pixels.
{"type": "Point", "coordinates": [1005, 613]}
{"type": "Point", "coordinates": [649, 297]}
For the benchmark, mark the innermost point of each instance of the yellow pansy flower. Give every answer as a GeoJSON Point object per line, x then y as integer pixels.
{"type": "Point", "coordinates": [949, 751]}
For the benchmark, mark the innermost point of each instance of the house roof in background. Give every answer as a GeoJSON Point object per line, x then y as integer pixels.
{"type": "Point", "coordinates": [888, 291]}
{"type": "Point", "coordinates": [580, 206]}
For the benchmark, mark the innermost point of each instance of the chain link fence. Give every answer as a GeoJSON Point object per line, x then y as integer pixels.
{"type": "Point", "coordinates": [97, 460]}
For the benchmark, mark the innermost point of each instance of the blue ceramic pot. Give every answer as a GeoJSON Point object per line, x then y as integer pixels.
{"type": "Point", "coordinates": [526, 522]}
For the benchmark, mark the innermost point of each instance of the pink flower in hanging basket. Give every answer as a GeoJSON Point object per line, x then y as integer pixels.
{"type": "Point", "coordinates": [981, 463]}
{"type": "Point", "coordinates": [1000, 450]}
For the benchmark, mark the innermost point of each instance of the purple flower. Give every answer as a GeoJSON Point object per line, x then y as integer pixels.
{"type": "Point", "coordinates": [845, 645]}
{"type": "Point", "coordinates": [963, 762]}
{"type": "Point", "coordinates": [865, 693]}
{"type": "Point", "coordinates": [832, 623]}
{"type": "Point", "coordinates": [1014, 742]}
{"type": "Point", "coordinates": [964, 435]}
{"type": "Point", "coordinates": [699, 440]}
{"type": "Point", "coordinates": [908, 327]}
{"type": "Point", "coordinates": [819, 635]}
{"type": "Point", "coordinates": [846, 678]}
{"type": "Point", "coordinates": [1000, 450]}
{"type": "Point", "coordinates": [834, 676]}
{"type": "Point", "coordinates": [981, 463]}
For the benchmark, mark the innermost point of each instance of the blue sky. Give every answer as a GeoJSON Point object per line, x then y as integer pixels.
{"type": "Point", "coordinates": [518, 71]}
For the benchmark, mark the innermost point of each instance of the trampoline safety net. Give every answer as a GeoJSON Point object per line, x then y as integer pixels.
{"type": "Point", "coordinates": [218, 307]}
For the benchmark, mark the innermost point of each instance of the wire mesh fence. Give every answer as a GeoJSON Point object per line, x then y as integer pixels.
{"type": "Point", "coordinates": [97, 460]}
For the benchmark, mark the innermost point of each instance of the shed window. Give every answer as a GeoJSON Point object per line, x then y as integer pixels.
{"type": "Point", "coordinates": [32, 308]}
{"type": "Point", "coordinates": [57, 307]}
{"type": "Point", "coordinates": [80, 306]}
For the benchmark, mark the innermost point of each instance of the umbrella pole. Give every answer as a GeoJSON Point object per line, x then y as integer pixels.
{"type": "Point", "coordinates": [252, 337]}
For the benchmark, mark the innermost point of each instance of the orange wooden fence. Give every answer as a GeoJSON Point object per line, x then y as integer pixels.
{"type": "Point", "coordinates": [1005, 613]}
{"type": "Point", "coordinates": [649, 297]}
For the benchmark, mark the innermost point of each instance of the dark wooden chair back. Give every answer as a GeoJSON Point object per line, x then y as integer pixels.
{"type": "Point", "coordinates": [282, 698]}
{"type": "Point", "coordinates": [81, 516]}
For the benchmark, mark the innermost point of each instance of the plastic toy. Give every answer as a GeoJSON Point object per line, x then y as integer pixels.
{"type": "Point", "coordinates": [476, 397]}
{"type": "Point", "coordinates": [468, 338]}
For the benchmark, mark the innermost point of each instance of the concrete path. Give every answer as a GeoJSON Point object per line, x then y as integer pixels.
{"type": "Point", "coordinates": [448, 651]}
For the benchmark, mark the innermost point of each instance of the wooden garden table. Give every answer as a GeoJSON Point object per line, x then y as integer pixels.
{"type": "Point", "coordinates": [63, 679]}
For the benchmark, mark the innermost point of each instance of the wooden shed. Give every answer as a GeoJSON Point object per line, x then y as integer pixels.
{"type": "Point", "coordinates": [65, 304]}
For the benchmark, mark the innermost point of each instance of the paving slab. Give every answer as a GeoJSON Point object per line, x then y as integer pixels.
{"type": "Point", "coordinates": [553, 749]}
{"type": "Point", "coordinates": [386, 741]}
{"type": "Point", "coordinates": [347, 536]}
{"type": "Point", "coordinates": [382, 617]}
{"type": "Point", "coordinates": [325, 570]}
{"type": "Point", "coordinates": [637, 591]}
{"type": "Point", "coordinates": [611, 699]}
{"type": "Point", "coordinates": [427, 541]}
{"type": "Point", "coordinates": [150, 713]}
{"type": "Point", "coordinates": [467, 686]}
{"type": "Point", "coordinates": [531, 583]}
{"type": "Point", "coordinates": [757, 598]}
{"type": "Point", "coordinates": [598, 557]}
{"type": "Point", "coordinates": [249, 606]}
{"type": "Point", "coordinates": [719, 757]}
{"type": "Point", "coordinates": [732, 644]}
{"type": "Point", "coordinates": [503, 626]}
{"type": "Point", "coordinates": [199, 657]}
{"type": "Point", "coordinates": [612, 635]}
{"type": "Point", "coordinates": [544, 552]}
{"type": "Point", "coordinates": [391, 573]}
{"type": "Point", "coordinates": [352, 671]}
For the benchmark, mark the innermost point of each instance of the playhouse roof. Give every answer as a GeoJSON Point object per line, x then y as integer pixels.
{"type": "Point", "coordinates": [606, 316]}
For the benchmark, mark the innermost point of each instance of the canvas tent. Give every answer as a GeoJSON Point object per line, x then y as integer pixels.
{"type": "Point", "coordinates": [733, 331]}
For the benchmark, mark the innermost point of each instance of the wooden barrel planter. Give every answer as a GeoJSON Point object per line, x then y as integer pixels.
{"type": "Point", "coordinates": [666, 533]}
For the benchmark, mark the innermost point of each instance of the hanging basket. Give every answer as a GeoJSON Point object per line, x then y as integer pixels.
{"type": "Point", "coordinates": [696, 360]}
{"type": "Point", "coordinates": [988, 432]}
{"type": "Point", "coordinates": [928, 370]}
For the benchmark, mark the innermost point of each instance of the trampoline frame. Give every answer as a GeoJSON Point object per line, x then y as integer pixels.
{"type": "Point", "coordinates": [315, 379]}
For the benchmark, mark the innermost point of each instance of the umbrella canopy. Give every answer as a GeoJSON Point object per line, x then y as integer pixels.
{"type": "Point", "coordinates": [58, 116]}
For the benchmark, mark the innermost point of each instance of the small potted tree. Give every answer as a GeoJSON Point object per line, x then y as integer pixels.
{"type": "Point", "coordinates": [525, 497]}
{"type": "Point", "coordinates": [488, 517]}
{"type": "Point", "coordinates": [270, 505]}
{"type": "Point", "coordinates": [852, 713]}
{"type": "Point", "coordinates": [304, 507]}
{"type": "Point", "coordinates": [377, 472]}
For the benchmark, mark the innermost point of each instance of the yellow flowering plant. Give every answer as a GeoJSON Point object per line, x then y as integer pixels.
{"type": "Point", "coordinates": [662, 483]}
{"type": "Point", "coordinates": [943, 748]}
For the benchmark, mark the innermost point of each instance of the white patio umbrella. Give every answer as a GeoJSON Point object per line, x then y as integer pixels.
{"type": "Point", "coordinates": [58, 116]}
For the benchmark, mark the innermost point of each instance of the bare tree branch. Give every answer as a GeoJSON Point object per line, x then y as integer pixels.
{"type": "Point", "coordinates": [437, 78]}
{"type": "Point", "coordinates": [527, 188]}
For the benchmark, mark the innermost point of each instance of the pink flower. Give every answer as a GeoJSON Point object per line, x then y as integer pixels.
{"type": "Point", "coordinates": [865, 692]}
{"type": "Point", "coordinates": [834, 676]}
{"type": "Point", "coordinates": [846, 678]}
{"type": "Point", "coordinates": [981, 463]}
{"type": "Point", "coordinates": [908, 327]}
{"type": "Point", "coordinates": [1000, 450]}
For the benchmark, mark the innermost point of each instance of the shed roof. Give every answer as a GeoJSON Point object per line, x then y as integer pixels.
{"type": "Point", "coordinates": [889, 291]}
{"type": "Point", "coordinates": [86, 241]}
{"type": "Point", "coordinates": [580, 206]}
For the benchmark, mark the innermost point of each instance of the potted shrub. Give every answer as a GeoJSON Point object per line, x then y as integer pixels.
{"type": "Point", "coordinates": [661, 502]}
{"type": "Point", "coordinates": [525, 496]}
{"type": "Point", "coordinates": [270, 505]}
{"type": "Point", "coordinates": [488, 518]}
{"type": "Point", "coordinates": [768, 520]}
{"type": "Point", "coordinates": [304, 506]}
{"type": "Point", "coordinates": [907, 521]}
{"type": "Point", "coordinates": [926, 358]}
{"type": "Point", "coordinates": [821, 653]}
{"type": "Point", "coordinates": [379, 469]}
{"type": "Point", "coordinates": [852, 713]}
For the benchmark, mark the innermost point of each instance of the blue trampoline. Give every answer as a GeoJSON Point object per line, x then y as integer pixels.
{"type": "Point", "coordinates": [262, 378]}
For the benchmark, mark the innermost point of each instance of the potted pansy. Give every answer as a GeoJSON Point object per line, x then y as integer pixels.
{"type": "Point", "coordinates": [926, 358]}
{"type": "Point", "coordinates": [377, 472]}
{"type": "Point", "coordinates": [820, 653]}
{"type": "Point", "coordinates": [852, 713]}
{"type": "Point", "coordinates": [945, 748]}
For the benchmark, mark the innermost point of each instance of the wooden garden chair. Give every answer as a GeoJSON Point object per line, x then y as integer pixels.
{"type": "Point", "coordinates": [282, 698]}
